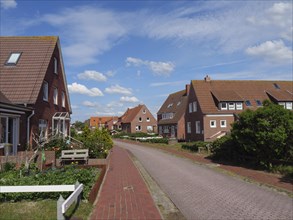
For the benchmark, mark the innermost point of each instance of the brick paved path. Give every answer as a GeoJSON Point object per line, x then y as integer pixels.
{"type": "Point", "coordinates": [124, 194]}
{"type": "Point", "coordinates": [202, 193]}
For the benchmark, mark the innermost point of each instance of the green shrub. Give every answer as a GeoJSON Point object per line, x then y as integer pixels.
{"type": "Point", "coordinates": [8, 166]}
{"type": "Point", "coordinates": [224, 148]}
{"type": "Point", "coordinates": [286, 170]}
{"type": "Point", "coordinates": [65, 176]}
{"type": "Point", "coordinates": [194, 146]}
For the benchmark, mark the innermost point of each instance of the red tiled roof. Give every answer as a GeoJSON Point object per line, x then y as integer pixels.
{"type": "Point", "coordinates": [175, 103]}
{"type": "Point", "coordinates": [94, 121]}
{"type": "Point", "coordinates": [22, 82]}
{"type": "Point", "coordinates": [130, 114]}
{"type": "Point", "coordinates": [247, 90]}
{"type": "Point", "coordinates": [281, 95]}
{"type": "Point", "coordinates": [4, 99]}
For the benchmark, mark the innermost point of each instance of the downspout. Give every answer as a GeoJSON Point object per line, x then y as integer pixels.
{"type": "Point", "coordinates": [28, 127]}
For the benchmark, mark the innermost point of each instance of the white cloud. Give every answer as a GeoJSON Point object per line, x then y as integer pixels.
{"type": "Point", "coordinates": [89, 104]}
{"type": "Point", "coordinates": [92, 75]}
{"type": "Point", "coordinates": [105, 113]}
{"type": "Point", "coordinates": [158, 68]}
{"type": "Point", "coordinates": [81, 89]}
{"type": "Point", "coordinates": [116, 89]}
{"type": "Point", "coordinates": [90, 32]}
{"type": "Point", "coordinates": [6, 4]}
{"type": "Point", "coordinates": [169, 83]}
{"type": "Point", "coordinates": [272, 51]}
{"type": "Point", "coordinates": [110, 73]}
{"type": "Point", "coordinates": [128, 99]}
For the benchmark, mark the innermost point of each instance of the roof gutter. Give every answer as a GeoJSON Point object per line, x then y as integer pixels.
{"type": "Point", "coordinates": [28, 127]}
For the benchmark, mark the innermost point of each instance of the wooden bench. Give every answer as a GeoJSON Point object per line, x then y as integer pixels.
{"type": "Point", "coordinates": [74, 155]}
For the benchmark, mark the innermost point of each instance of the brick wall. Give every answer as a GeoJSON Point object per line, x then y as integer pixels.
{"type": "Point", "coordinates": [21, 156]}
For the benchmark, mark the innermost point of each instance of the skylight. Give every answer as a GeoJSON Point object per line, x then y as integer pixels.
{"type": "Point", "coordinates": [277, 86]}
{"type": "Point", "coordinates": [258, 102]}
{"type": "Point", "coordinates": [247, 103]}
{"type": "Point", "coordinates": [13, 59]}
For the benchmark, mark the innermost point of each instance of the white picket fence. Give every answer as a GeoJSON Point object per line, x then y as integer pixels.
{"type": "Point", "coordinates": [62, 205]}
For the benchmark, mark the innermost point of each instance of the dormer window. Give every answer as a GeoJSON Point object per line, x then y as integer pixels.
{"type": "Point", "coordinates": [231, 106]}
{"type": "Point", "coordinates": [223, 106]}
{"type": "Point", "coordinates": [13, 59]}
{"type": "Point", "coordinates": [239, 106]}
{"type": "Point", "coordinates": [55, 65]}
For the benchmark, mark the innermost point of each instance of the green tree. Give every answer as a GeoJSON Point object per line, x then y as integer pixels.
{"type": "Point", "coordinates": [265, 134]}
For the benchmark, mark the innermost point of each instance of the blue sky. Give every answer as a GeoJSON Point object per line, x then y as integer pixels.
{"type": "Point", "coordinates": [118, 54]}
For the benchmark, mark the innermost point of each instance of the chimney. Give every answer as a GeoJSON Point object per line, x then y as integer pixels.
{"type": "Point", "coordinates": [187, 88]}
{"type": "Point", "coordinates": [207, 78]}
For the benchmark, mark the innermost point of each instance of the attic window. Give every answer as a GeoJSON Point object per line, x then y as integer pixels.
{"type": "Point", "coordinates": [247, 103]}
{"type": "Point", "coordinates": [55, 65]}
{"type": "Point", "coordinates": [170, 105]}
{"type": "Point", "coordinates": [13, 59]}
{"type": "Point", "coordinates": [258, 102]}
{"type": "Point", "coordinates": [277, 86]}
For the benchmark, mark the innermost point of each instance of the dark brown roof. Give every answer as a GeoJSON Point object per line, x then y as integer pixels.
{"type": "Point", "coordinates": [130, 114]}
{"type": "Point", "coordinates": [22, 82]}
{"type": "Point", "coordinates": [247, 90]}
{"type": "Point", "coordinates": [226, 95]}
{"type": "Point", "coordinates": [175, 103]}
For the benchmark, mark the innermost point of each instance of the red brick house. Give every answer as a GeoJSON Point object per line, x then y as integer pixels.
{"type": "Point", "coordinates": [214, 104]}
{"type": "Point", "coordinates": [32, 76]}
{"type": "Point", "coordinates": [103, 122]}
{"type": "Point", "coordinates": [171, 116]}
{"type": "Point", "coordinates": [138, 119]}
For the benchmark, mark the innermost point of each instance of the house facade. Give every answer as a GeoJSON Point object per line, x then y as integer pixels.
{"type": "Point", "coordinates": [100, 122]}
{"type": "Point", "coordinates": [171, 115]}
{"type": "Point", "coordinates": [138, 119]}
{"type": "Point", "coordinates": [32, 76]}
{"type": "Point", "coordinates": [213, 105]}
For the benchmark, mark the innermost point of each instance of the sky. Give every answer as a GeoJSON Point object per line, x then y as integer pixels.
{"type": "Point", "coordinates": [118, 54]}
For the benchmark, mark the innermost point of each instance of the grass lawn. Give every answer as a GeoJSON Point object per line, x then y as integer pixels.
{"type": "Point", "coordinates": [43, 209]}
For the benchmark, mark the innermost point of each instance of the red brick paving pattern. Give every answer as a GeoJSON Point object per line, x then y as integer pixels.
{"type": "Point", "coordinates": [124, 194]}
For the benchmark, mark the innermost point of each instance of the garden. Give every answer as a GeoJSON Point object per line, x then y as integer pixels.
{"type": "Point", "coordinates": [43, 205]}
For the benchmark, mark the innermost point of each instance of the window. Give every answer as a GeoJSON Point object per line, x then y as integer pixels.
{"type": "Point", "coordinates": [197, 127]}
{"type": "Point", "coordinates": [231, 106]}
{"type": "Point", "coordinates": [289, 105]}
{"type": "Point", "coordinates": [148, 119]}
{"type": "Point", "coordinates": [190, 107]}
{"type": "Point", "coordinates": [239, 106]}
{"type": "Point", "coordinates": [170, 105]}
{"type": "Point", "coordinates": [43, 129]}
{"type": "Point", "coordinates": [276, 86]}
{"type": "Point", "coordinates": [160, 130]}
{"type": "Point", "coordinates": [188, 127]}
{"type": "Point", "coordinates": [55, 65]}
{"type": "Point", "coordinates": [13, 59]}
{"type": "Point", "coordinates": [138, 128]}
{"type": "Point", "coordinates": [166, 129]}
{"type": "Point", "coordinates": [282, 104]}
{"type": "Point", "coordinates": [45, 91]}
{"type": "Point", "coordinates": [63, 99]}
{"type": "Point", "coordinates": [140, 119]}
{"type": "Point", "coordinates": [247, 103]}
{"type": "Point", "coordinates": [167, 115]}
{"type": "Point", "coordinates": [144, 111]}
{"type": "Point", "coordinates": [213, 123]}
{"type": "Point", "coordinates": [258, 102]}
{"type": "Point", "coordinates": [223, 106]}
{"type": "Point", "coordinates": [194, 104]}
{"type": "Point", "coordinates": [178, 103]}
{"type": "Point", "coordinates": [55, 96]}
{"type": "Point", "coordinates": [150, 128]}
{"type": "Point", "coordinates": [223, 123]}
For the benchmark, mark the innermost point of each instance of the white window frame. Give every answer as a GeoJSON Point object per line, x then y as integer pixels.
{"type": "Point", "coordinates": [239, 106]}
{"type": "Point", "coordinates": [43, 128]}
{"type": "Point", "coordinates": [231, 106]}
{"type": "Point", "coordinates": [55, 96]}
{"type": "Point", "coordinates": [221, 106]}
{"type": "Point", "coordinates": [223, 123]}
{"type": "Point", "coordinates": [143, 111]}
{"type": "Point", "coordinates": [45, 91]}
{"type": "Point", "coordinates": [13, 58]}
{"type": "Point", "coordinates": [166, 129]}
{"type": "Point", "coordinates": [150, 128]}
{"type": "Point", "coordinates": [189, 127]}
{"type": "Point", "coordinates": [190, 107]}
{"type": "Point", "coordinates": [148, 119]}
{"type": "Point", "coordinates": [194, 105]}
{"type": "Point", "coordinates": [289, 105]}
{"type": "Point", "coordinates": [140, 119]}
{"type": "Point", "coordinates": [55, 65]}
{"type": "Point", "coordinates": [197, 127]}
{"type": "Point", "coordinates": [138, 127]}
{"type": "Point", "coordinates": [213, 123]}
{"type": "Point", "coordinates": [63, 99]}
{"type": "Point", "coordinates": [282, 104]}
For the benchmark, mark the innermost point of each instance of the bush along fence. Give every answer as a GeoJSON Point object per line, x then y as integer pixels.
{"type": "Point", "coordinates": [62, 205]}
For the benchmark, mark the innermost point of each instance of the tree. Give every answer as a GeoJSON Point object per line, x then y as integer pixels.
{"type": "Point", "coordinates": [265, 134]}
